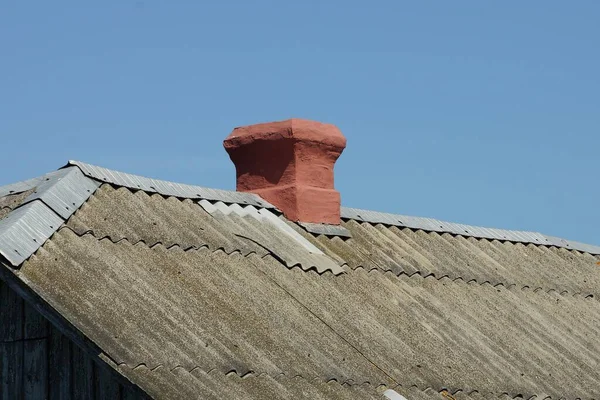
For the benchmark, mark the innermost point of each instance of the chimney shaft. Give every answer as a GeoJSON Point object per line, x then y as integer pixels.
{"type": "Point", "coordinates": [290, 164]}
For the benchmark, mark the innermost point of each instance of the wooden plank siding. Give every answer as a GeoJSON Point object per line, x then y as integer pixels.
{"type": "Point", "coordinates": [38, 362]}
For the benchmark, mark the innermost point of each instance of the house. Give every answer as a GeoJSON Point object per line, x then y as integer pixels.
{"type": "Point", "coordinates": [115, 286]}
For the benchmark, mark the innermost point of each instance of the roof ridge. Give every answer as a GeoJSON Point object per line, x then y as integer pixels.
{"type": "Point", "coordinates": [426, 224]}
{"type": "Point", "coordinates": [435, 225]}
{"type": "Point", "coordinates": [22, 186]}
{"type": "Point", "coordinates": [167, 188]}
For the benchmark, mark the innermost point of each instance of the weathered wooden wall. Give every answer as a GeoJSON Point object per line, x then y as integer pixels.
{"type": "Point", "coordinates": [38, 362]}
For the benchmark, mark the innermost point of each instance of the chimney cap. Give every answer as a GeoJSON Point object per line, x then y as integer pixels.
{"type": "Point", "coordinates": [293, 128]}
{"type": "Point", "coordinates": [290, 164]}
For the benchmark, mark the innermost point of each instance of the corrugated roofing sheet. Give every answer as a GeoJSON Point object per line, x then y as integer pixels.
{"type": "Point", "coordinates": [214, 384]}
{"type": "Point", "coordinates": [119, 214]}
{"type": "Point", "coordinates": [263, 215]}
{"type": "Point", "coordinates": [169, 188]}
{"type": "Point", "coordinates": [198, 384]}
{"type": "Point", "coordinates": [172, 312]}
{"type": "Point", "coordinates": [405, 251]}
{"type": "Point", "coordinates": [433, 225]}
{"type": "Point", "coordinates": [325, 229]}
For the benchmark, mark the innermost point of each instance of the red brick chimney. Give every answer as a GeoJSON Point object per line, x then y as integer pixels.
{"type": "Point", "coordinates": [290, 164]}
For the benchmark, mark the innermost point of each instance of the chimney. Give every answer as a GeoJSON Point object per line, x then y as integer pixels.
{"type": "Point", "coordinates": [290, 164]}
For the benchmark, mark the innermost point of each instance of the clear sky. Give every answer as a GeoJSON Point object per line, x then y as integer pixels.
{"type": "Point", "coordinates": [486, 113]}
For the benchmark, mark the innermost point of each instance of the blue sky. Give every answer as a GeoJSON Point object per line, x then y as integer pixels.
{"type": "Point", "coordinates": [485, 113]}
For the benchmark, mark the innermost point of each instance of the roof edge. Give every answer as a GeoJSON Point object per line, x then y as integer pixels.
{"type": "Point", "coordinates": [168, 188]}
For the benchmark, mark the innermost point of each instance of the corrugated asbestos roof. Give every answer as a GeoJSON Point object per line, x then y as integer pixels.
{"type": "Point", "coordinates": [198, 294]}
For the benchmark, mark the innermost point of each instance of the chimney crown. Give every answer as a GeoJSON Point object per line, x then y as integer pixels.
{"type": "Point", "coordinates": [290, 164]}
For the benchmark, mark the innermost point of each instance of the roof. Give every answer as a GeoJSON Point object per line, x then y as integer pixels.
{"type": "Point", "coordinates": [197, 293]}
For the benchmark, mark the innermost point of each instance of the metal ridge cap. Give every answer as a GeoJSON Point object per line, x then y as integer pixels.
{"type": "Point", "coordinates": [57, 196]}
{"type": "Point", "coordinates": [168, 188]}
{"type": "Point", "coordinates": [21, 186]}
{"type": "Point", "coordinates": [571, 244]}
{"type": "Point", "coordinates": [64, 191]}
{"type": "Point", "coordinates": [433, 225]}
{"type": "Point", "coordinates": [26, 229]}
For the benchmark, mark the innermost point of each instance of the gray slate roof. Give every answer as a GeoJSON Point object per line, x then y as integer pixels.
{"type": "Point", "coordinates": [199, 293]}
